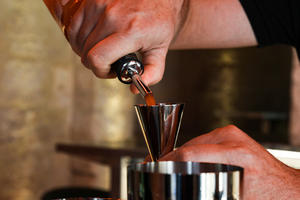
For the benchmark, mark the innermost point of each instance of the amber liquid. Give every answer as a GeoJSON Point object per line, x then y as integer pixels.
{"type": "Point", "coordinates": [149, 98]}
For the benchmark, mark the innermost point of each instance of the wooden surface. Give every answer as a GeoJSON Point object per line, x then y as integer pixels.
{"type": "Point", "coordinates": [106, 153]}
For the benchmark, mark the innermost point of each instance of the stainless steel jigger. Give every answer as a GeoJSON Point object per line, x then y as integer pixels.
{"type": "Point", "coordinates": [184, 181]}
{"type": "Point", "coordinates": [160, 126]}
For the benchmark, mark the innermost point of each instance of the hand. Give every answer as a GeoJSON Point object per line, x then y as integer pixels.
{"type": "Point", "coordinates": [102, 31]}
{"type": "Point", "coordinates": [265, 178]}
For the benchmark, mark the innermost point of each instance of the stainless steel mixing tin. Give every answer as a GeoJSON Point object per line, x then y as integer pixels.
{"type": "Point", "coordinates": [184, 181]}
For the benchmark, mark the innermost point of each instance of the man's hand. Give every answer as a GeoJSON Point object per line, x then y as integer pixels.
{"type": "Point", "coordinates": [265, 178]}
{"type": "Point", "coordinates": [102, 31]}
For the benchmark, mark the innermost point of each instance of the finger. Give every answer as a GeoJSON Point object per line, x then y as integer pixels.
{"type": "Point", "coordinates": [89, 25]}
{"type": "Point", "coordinates": [207, 138]}
{"type": "Point", "coordinates": [55, 8]}
{"type": "Point", "coordinates": [98, 73]}
{"type": "Point", "coordinates": [225, 134]}
{"type": "Point", "coordinates": [107, 51]}
{"type": "Point", "coordinates": [154, 61]}
{"type": "Point", "coordinates": [73, 28]}
{"type": "Point", "coordinates": [154, 67]}
{"type": "Point", "coordinates": [209, 153]}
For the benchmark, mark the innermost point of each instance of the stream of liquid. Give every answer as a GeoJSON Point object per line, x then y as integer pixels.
{"type": "Point", "coordinates": [149, 99]}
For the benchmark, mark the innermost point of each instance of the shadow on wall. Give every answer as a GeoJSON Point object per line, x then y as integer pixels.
{"type": "Point", "coordinates": [248, 87]}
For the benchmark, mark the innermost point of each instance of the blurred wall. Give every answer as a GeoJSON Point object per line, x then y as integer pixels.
{"type": "Point", "coordinates": [46, 97]}
{"type": "Point", "coordinates": [295, 102]}
{"type": "Point", "coordinates": [248, 87]}
{"type": "Point", "coordinates": [35, 100]}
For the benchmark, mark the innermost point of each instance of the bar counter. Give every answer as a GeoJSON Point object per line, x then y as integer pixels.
{"type": "Point", "coordinates": [109, 154]}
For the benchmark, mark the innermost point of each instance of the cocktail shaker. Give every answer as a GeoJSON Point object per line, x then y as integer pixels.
{"type": "Point", "coordinates": [184, 181]}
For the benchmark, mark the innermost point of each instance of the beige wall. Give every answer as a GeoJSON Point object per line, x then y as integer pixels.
{"type": "Point", "coordinates": [46, 96]}
{"type": "Point", "coordinates": [35, 103]}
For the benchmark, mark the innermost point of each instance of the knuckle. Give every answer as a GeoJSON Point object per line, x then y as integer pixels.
{"type": "Point", "coordinates": [99, 73]}
{"type": "Point", "coordinates": [229, 132]}
{"type": "Point", "coordinates": [94, 59]}
{"type": "Point", "coordinates": [112, 13]}
{"type": "Point", "coordinates": [98, 67]}
{"type": "Point", "coordinates": [232, 128]}
{"type": "Point", "coordinates": [135, 25]}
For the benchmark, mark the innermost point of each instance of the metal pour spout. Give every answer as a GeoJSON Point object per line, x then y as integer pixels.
{"type": "Point", "coordinates": [129, 70]}
{"type": "Point", "coordinates": [140, 85]}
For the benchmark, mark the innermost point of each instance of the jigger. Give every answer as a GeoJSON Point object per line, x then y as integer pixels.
{"type": "Point", "coordinates": [160, 126]}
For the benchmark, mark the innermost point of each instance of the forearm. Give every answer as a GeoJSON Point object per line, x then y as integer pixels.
{"type": "Point", "coordinates": [214, 24]}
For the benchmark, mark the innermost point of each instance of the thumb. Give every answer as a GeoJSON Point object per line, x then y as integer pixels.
{"type": "Point", "coordinates": [210, 153]}
{"type": "Point", "coordinates": [154, 67]}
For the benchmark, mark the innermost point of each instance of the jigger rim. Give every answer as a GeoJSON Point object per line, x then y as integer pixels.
{"type": "Point", "coordinates": [184, 168]}
{"type": "Point", "coordinates": [161, 104]}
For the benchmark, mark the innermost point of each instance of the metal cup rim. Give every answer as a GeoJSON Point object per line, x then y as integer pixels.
{"type": "Point", "coordinates": [200, 167]}
{"type": "Point", "coordinates": [167, 104]}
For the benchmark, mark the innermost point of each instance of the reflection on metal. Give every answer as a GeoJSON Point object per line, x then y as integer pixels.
{"type": "Point", "coordinates": [184, 180]}
{"type": "Point", "coordinates": [160, 125]}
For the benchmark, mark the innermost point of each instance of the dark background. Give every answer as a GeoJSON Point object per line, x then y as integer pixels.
{"type": "Point", "coordinates": [247, 87]}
